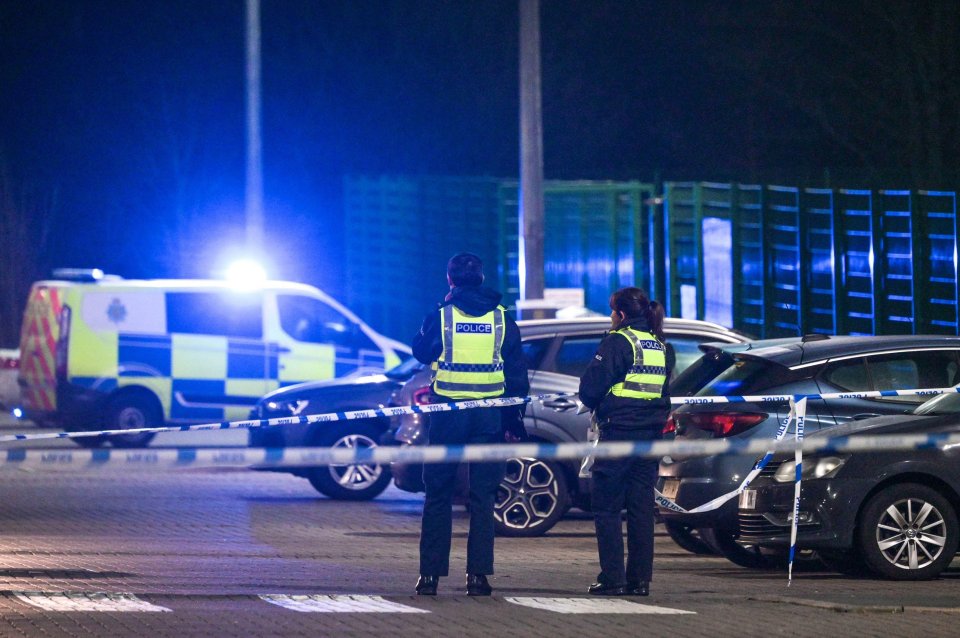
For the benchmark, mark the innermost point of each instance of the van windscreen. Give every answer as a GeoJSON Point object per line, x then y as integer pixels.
{"type": "Point", "coordinates": [231, 314]}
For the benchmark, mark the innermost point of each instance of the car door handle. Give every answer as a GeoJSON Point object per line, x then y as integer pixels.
{"type": "Point", "coordinates": [560, 404]}
{"type": "Point", "coordinates": [283, 349]}
{"type": "Point", "coordinates": [864, 415]}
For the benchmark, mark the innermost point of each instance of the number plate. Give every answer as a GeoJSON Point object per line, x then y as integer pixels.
{"type": "Point", "coordinates": [748, 500]}
{"type": "Point", "coordinates": [670, 488]}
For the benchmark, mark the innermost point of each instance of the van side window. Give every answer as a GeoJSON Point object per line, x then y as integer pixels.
{"type": "Point", "coordinates": [215, 313]}
{"type": "Point", "coordinates": [310, 320]}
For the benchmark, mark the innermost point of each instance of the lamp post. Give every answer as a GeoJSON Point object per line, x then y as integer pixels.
{"type": "Point", "coordinates": [531, 226]}
{"type": "Point", "coordinates": [254, 183]}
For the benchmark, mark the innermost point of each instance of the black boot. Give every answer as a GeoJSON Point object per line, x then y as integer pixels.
{"type": "Point", "coordinates": [640, 588]}
{"type": "Point", "coordinates": [477, 585]}
{"type": "Point", "coordinates": [602, 588]}
{"type": "Point", "coordinates": [427, 585]}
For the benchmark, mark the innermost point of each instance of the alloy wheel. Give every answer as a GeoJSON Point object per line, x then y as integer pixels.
{"type": "Point", "coordinates": [911, 533]}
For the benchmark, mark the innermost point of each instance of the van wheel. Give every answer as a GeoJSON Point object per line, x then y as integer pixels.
{"type": "Point", "coordinates": [532, 497]}
{"type": "Point", "coordinates": [360, 482]}
{"type": "Point", "coordinates": [132, 412]}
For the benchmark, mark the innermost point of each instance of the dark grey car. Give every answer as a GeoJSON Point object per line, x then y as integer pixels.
{"type": "Point", "coordinates": [816, 365]}
{"type": "Point", "coordinates": [894, 512]}
{"type": "Point", "coordinates": [535, 492]}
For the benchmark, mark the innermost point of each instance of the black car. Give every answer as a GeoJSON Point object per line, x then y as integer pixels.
{"type": "Point", "coordinates": [892, 512]}
{"type": "Point", "coordinates": [808, 365]}
{"type": "Point", "coordinates": [346, 482]}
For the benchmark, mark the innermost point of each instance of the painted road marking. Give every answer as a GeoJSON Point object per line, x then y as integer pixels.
{"type": "Point", "coordinates": [592, 606]}
{"type": "Point", "coordinates": [84, 601]}
{"type": "Point", "coordinates": [340, 604]}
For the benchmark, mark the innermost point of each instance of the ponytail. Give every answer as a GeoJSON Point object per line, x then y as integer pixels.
{"type": "Point", "coordinates": [634, 302]}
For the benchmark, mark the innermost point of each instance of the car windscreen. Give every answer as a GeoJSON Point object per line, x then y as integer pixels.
{"type": "Point", "coordinates": [748, 376]}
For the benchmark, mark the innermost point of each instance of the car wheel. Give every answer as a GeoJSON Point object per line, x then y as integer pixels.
{"type": "Point", "coordinates": [130, 412]}
{"type": "Point", "coordinates": [531, 499]}
{"type": "Point", "coordinates": [908, 532]}
{"type": "Point", "coordinates": [687, 538]}
{"type": "Point", "coordinates": [360, 482]}
{"type": "Point", "coordinates": [725, 542]}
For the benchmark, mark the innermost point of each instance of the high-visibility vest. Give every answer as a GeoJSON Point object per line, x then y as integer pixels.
{"type": "Point", "coordinates": [470, 366]}
{"type": "Point", "coordinates": [648, 374]}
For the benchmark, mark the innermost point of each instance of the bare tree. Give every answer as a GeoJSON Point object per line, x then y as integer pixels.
{"type": "Point", "coordinates": [26, 216]}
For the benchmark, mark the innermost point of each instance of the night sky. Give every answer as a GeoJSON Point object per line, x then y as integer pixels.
{"type": "Point", "coordinates": [122, 123]}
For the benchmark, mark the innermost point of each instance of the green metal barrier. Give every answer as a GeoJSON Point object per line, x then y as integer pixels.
{"type": "Point", "coordinates": [783, 260]}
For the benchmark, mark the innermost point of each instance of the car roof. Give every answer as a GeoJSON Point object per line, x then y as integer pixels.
{"type": "Point", "coordinates": [800, 352]}
{"type": "Point", "coordinates": [532, 327]}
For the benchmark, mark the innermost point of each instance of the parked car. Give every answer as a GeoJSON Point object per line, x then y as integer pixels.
{"type": "Point", "coordinates": [893, 513]}
{"type": "Point", "coordinates": [344, 482]}
{"type": "Point", "coordinates": [9, 368]}
{"type": "Point", "coordinates": [809, 365]}
{"type": "Point", "coordinates": [536, 492]}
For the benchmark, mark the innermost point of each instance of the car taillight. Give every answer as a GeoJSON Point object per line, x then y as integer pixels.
{"type": "Point", "coordinates": [671, 425]}
{"type": "Point", "coordinates": [9, 363]}
{"type": "Point", "coordinates": [63, 343]}
{"type": "Point", "coordinates": [722, 424]}
{"type": "Point", "coordinates": [423, 396]}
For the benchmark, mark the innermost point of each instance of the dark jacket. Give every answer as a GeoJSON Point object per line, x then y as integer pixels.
{"type": "Point", "coordinates": [609, 367]}
{"type": "Point", "coordinates": [476, 301]}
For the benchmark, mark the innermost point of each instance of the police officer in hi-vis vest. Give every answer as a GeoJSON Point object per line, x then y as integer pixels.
{"type": "Point", "coordinates": [474, 347]}
{"type": "Point", "coordinates": [626, 387]}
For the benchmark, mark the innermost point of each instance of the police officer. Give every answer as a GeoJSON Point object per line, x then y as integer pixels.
{"type": "Point", "coordinates": [474, 346]}
{"type": "Point", "coordinates": [626, 386]}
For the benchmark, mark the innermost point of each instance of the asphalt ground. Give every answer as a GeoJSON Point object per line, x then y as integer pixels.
{"type": "Point", "coordinates": [194, 553]}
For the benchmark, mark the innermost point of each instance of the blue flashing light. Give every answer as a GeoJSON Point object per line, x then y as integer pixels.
{"type": "Point", "coordinates": [17, 413]}
{"type": "Point", "coordinates": [246, 272]}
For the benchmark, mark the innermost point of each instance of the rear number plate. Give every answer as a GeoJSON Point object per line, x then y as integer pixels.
{"type": "Point", "coordinates": [670, 488]}
{"type": "Point", "coordinates": [748, 500]}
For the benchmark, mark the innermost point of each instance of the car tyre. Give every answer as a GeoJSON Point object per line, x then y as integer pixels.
{"type": "Point", "coordinates": [725, 542]}
{"type": "Point", "coordinates": [129, 412]}
{"type": "Point", "coordinates": [360, 482]}
{"type": "Point", "coordinates": [908, 532]}
{"type": "Point", "coordinates": [532, 497]}
{"type": "Point", "coordinates": [687, 538]}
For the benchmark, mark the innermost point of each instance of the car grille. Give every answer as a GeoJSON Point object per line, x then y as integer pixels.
{"type": "Point", "coordinates": [756, 526]}
{"type": "Point", "coordinates": [770, 469]}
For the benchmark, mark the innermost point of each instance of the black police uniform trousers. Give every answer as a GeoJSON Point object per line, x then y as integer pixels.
{"type": "Point", "coordinates": [478, 425]}
{"type": "Point", "coordinates": [624, 483]}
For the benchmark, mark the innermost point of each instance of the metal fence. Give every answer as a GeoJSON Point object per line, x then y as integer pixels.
{"type": "Point", "coordinates": [769, 260]}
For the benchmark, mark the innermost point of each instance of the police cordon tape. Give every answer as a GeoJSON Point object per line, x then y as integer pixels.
{"type": "Point", "coordinates": [271, 458]}
{"type": "Point", "coordinates": [459, 405]}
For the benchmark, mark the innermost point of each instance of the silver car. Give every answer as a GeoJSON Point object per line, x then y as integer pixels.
{"type": "Point", "coordinates": [535, 493]}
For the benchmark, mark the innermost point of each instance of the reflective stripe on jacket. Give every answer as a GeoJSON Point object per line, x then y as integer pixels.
{"type": "Point", "coordinates": [470, 366]}
{"type": "Point", "coordinates": [648, 374]}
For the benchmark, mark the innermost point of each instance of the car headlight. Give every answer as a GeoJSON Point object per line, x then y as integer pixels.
{"type": "Point", "coordinates": [294, 408]}
{"type": "Point", "coordinates": [813, 468]}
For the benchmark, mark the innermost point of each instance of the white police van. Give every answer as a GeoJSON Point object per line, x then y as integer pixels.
{"type": "Point", "coordinates": [102, 352]}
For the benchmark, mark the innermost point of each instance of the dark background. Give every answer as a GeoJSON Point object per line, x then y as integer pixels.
{"type": "Point", "coordinates": [122, 123]}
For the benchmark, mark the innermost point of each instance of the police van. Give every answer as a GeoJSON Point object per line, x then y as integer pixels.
{"type": "Point", "coordinates": [101, 352]}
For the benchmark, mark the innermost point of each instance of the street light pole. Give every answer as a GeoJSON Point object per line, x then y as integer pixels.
{"type": "Point", "coordinates": [254, 183]}
{"type": "Point", "coordinates": [531, 225]}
